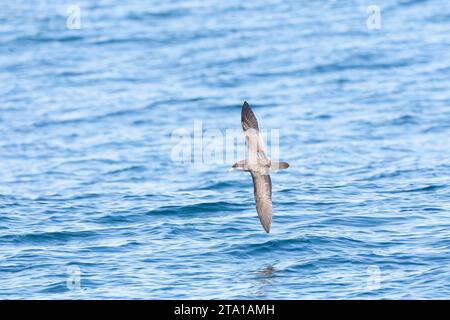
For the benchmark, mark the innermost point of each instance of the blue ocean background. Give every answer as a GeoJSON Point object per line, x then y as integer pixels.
{"type": "Point", "coordinates": [93, 206]}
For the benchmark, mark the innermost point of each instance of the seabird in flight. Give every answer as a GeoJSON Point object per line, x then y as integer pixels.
{"type": "Point", "coordinates": [259, 166]}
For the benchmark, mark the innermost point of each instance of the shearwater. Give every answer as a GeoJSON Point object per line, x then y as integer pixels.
{"type": "Point", "coordinates": [259, 166]}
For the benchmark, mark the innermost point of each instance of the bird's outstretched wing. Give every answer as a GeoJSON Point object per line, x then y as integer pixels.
{"type": "Point", "coordinates": [255, 143]}
{"type": "Point", "coordinates": [248, 118]}
{"type": "Point", "coordinates": [263, 198]}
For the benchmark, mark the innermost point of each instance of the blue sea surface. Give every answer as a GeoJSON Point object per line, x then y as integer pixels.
{"type": "Point", "coordinates": [92, 204]}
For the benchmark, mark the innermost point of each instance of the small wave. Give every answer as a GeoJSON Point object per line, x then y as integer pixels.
{"type": "Point", "coordinates": [44, 38]}
{"type": "Point", "coordinates": [57, 287]}
{"type": "Point", "coordinates": [409, 3]}
{"type": "Point", "coordinates": [291, 244]}
{"type": "Point", "coordinates": [403, 120]}
{"type": "Point", "coordinates": [217, 185]}
{"type": "Point", "coordinates": [45, 237]}
{"type": "Point", "coordinates": [150, 16]}
{"type": "Point", "coordinates": [131, 215]}
{"type": "Point", "coordinates": [136, 168]}
{"type": "Point", "coordinates": [419, 189]}
{"type": "Point", "coordinates": [388, 174]}
{"type": "Point", "coordinates": [111, 248]}
{"type": "Point", "coordinates": [193, 209]}
{"type": "Point", "coordinates": [60, 197]}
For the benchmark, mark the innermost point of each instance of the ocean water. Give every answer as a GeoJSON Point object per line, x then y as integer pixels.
{"type": "Point", "coordinates": [93, 205]}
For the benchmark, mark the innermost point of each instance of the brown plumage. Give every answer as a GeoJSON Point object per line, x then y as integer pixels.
{"type": "Point", "coordinates": [259, 166]}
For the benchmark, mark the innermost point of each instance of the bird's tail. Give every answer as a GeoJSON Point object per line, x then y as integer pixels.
{"type": "Point", "coordinates": [278, 165]}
